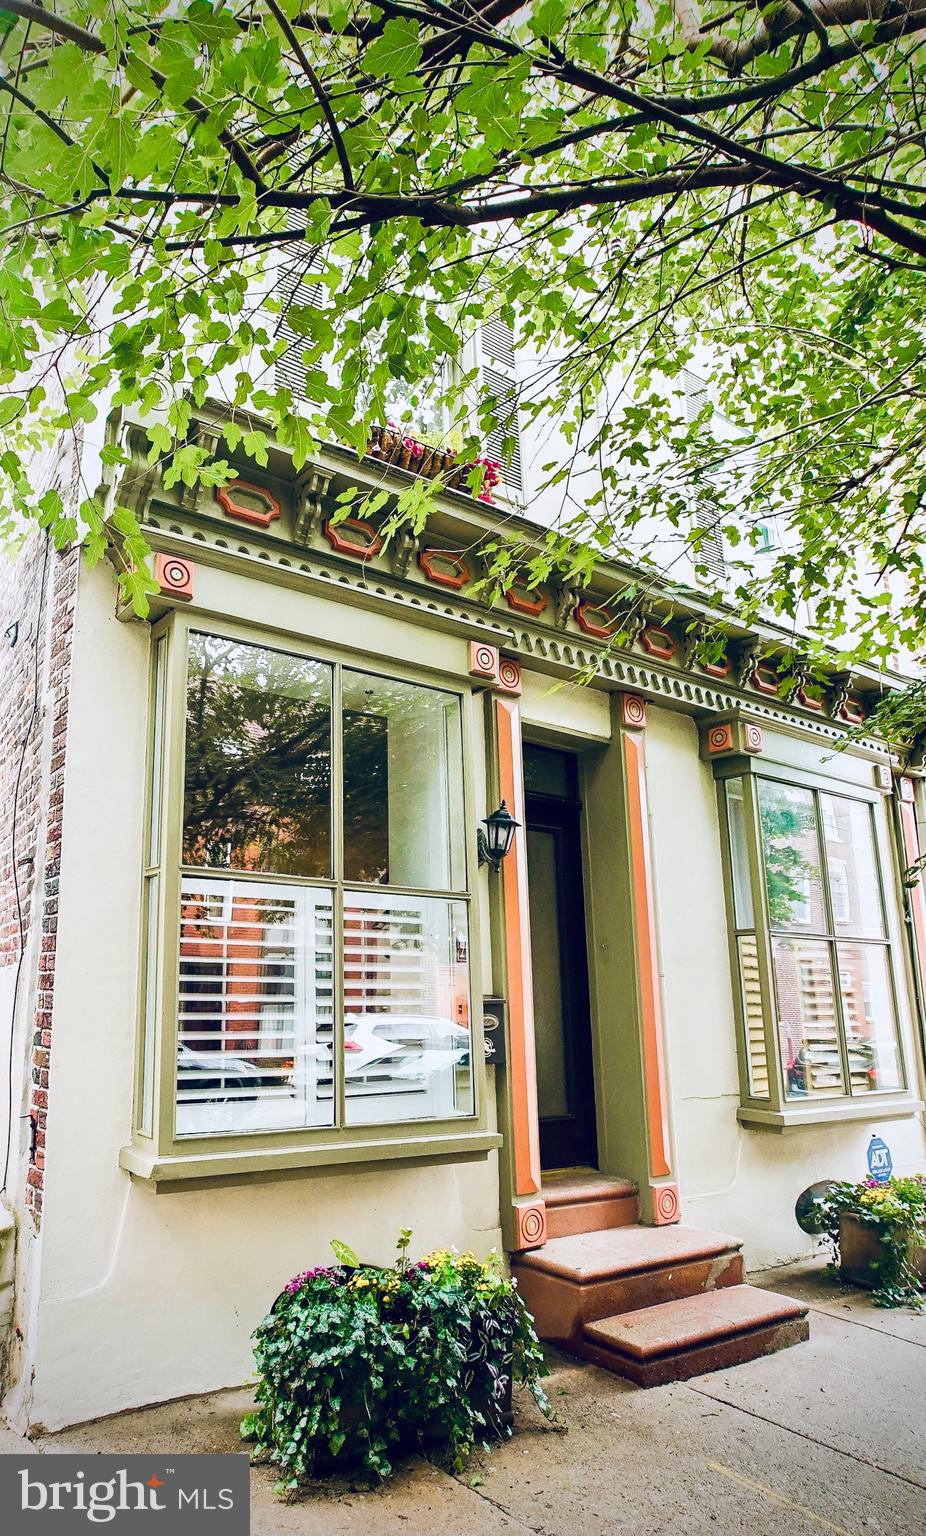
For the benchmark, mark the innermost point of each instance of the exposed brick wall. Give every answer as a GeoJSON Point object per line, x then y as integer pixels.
{"type": "Point", "coordinates": [37, 595]}
{"type": "Point", "coordinates": [23, 637]}
{"type": "Point", "coordinates": [61, 600]}
{"type": "Point", "coordinates": [38, 590]}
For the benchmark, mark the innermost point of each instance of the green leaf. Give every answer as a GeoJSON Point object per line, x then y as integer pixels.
{"type": "Point", "coordinates": [344, 1254]}
{"type": "Point", "coordinates": [396, 53]}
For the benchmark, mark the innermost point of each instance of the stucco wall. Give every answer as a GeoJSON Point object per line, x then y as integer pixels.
{"type": "Point", "coordinates": [149, 1296]}
{"type": "Point", "coordinates": [731, 1178]}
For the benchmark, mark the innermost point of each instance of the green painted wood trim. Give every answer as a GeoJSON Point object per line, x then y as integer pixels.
{"type": "Point", "coordinates": [795, 1117]}
{"type": "Point", "coordinates": [165, 1147]}
{"type": "Point", "coordinates": [192, 1167]}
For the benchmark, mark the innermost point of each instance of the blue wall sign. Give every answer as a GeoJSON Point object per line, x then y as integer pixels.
{"type": "Point", "coordinates": [880, 1162]}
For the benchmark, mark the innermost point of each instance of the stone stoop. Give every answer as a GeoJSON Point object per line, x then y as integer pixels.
{"type": "Point", "coordinates": [581, 1200]}
{"type": "Point", "coordinates": [653, 1304]}
{"type": "Point", "coordinates": [709, 1332]}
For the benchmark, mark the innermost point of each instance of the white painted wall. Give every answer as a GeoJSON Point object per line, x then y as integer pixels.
{"type": "Point", "coordinates": [734, 1179]}
{"type": "Point", "coordinates": [144, 1297]}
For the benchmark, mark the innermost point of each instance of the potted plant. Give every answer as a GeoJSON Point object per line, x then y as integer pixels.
{"type": "Point", "coordinates": [356, 1361]}
{"type": "Point", "coordinates": [878, 1235]}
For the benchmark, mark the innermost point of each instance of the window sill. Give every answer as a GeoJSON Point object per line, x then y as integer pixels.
{"type": "Point", "coordinates": [173, 1171]}
{"type": "Point", "coordinates": [796, 1116]}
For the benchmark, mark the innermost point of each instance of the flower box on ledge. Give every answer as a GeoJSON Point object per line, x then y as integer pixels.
{"type": "Point", "coordinates": [391, 445]}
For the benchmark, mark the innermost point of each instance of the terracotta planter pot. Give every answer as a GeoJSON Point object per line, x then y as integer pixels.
{"type": "Point", "coordinates": [861, 1248]}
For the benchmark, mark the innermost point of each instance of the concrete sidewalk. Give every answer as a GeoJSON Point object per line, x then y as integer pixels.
{"type": "Point", "coordinates": [827, 1437]}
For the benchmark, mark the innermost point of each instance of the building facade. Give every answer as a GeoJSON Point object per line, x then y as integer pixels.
{"type": "Point", "coordinates": [265, 991]}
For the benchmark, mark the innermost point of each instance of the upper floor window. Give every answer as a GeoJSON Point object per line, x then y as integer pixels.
{"type": "Point", "coordinates": [322, 920]}
{"type": "Point", "coordinates": [815, 965]}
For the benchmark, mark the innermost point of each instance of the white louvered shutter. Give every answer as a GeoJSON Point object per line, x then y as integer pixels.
{"type": "Point", "coordinates": [255, 1006]}
{"type": "Point", "coordinates": [297, 264]}
{"type": "Point", "coordinates": [499, 379]}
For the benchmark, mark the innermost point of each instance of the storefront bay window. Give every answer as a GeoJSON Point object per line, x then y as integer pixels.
{"type": "Point", "coordinates": [816, 971]}
{"type": "Point", "coordinates": [308, 923]}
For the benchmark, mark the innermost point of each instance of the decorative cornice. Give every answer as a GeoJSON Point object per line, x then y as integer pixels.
{"type": "Point", "coordinates": [535, 640]}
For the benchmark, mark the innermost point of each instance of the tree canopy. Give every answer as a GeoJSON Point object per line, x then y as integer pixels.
{"type": "Point", "coordinates": [636, 188]}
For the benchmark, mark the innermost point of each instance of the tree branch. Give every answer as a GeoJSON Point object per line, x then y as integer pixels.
{"type": "Point", "coordinates": [318, 88]}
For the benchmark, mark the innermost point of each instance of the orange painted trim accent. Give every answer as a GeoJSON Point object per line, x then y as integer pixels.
{"type": "Point", "coordinates": [666, 1204]}
{"type": "Point", "coordinates": [446, 567]}
{"type": "Point", "coordinates": [641, 873]}
{"type": "Point", "coordinates": [335, 534]}
{"type": "Point", "coordinates": [911, 848]}
{"type": "Point", "coordinates": [509, 675]}
{"type": "Point", "coordinates": [717, 668]}
{"type": "Point", "coordinates": [765, 679]}
{"type": "Point", "coordinates": [532, 602]}
{"type": "Point", "coordinates": [530, 1225]}
{"type": "Point", "coordinates": [658, 641]}
{"type": "Point", "coordinates": [483, 661]}
{"type": "Point", "coordinates": [522, 1065]}
{"type": "Point", "coordinates": [853, 710]}
{"type": "Point", "coordinates": [601, 629]}
{"type": "Point", "coordinates": [225, 496]}
{"type": "Point", "coordinates": [174, 576]}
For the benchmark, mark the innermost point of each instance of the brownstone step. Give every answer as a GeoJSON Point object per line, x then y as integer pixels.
{"type": "Point", "coordinates": [584, 1200]}
{"type": "Point", "coordinates": [678, 1339]}
{"type": "Point", "coordinates": [576, 1280]}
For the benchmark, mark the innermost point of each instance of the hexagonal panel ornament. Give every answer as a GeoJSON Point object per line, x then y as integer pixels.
{"type": "Point", "coordinates": [248, 503]}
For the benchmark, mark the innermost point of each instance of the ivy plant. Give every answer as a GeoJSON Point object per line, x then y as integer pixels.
{"type": "Point", "coordinates": [356, 1361]}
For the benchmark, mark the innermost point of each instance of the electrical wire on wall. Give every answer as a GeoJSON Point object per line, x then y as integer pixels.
{"type": "Point", "coordinates": [14, 855]}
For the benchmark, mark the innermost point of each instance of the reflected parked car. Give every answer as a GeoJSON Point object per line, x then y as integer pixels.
{"type": "Point", "coordinates": [216, 1073]}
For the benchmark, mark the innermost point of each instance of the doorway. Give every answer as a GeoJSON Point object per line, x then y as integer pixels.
{"type": "Point", "coordinates": [559, 961]}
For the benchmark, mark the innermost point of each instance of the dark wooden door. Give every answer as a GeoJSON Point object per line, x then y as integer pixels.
{"type": "Point", "coordinates": [562, 1023]}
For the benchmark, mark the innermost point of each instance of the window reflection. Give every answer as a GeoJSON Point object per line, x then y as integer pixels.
{"type": "Point", "coordinates": [403, 784]}
{"type": "Point", "coordinates": [257, 788]}
{"type": "Point", "coordinates": [808, 1026]}
{"type": "Point", "coordinates": [792, 857]}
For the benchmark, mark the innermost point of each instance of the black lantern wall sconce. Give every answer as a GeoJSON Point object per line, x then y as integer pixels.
{"type": "Point", "coordinates": [496, 841]}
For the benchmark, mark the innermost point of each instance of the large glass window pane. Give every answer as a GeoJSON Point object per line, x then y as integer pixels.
{"type": "Point", "coordinates": [403, 784]}
{"type": "Point", "coordinates": [739, 853]}
{"type": "Point", "coordinates": [407, 1052]}
{"type": "Point", "coordinates": [868, 1008]}
{"type": "Point", "coordinates": [792, 857]}
{"type": "Point", "coordinates": [256, 1007]}
{"type": "Point", "coordinates": [853, 872]}
{"type": "Point", "coordinates": [808, 1027]}
{"type": "Point", "coordinates": [257, 789]}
